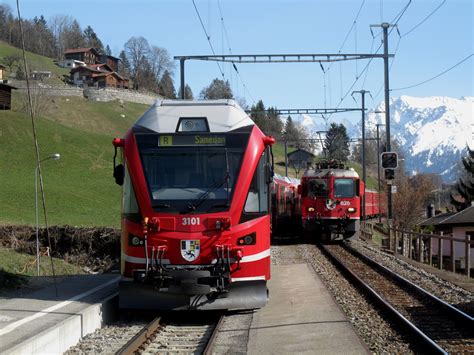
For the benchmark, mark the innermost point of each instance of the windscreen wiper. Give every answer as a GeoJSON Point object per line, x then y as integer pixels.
{"type": "Point", "coordinates": [162, 206]}
{"type": "Point", "coordinates": [205, 195]}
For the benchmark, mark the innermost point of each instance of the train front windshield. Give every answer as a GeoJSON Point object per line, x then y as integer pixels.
{"type": "Point", "coordinates": [192, 178]}
{"type": "Point", "coordinates": [317, 188]}
{"type": "Point", "coordinates": [344, 188]}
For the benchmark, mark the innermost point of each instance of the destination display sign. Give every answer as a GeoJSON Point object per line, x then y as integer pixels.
{"type": "Point", "coordinates": [149, 142]}
{"type": "Point", "coordinates": [190, 140]}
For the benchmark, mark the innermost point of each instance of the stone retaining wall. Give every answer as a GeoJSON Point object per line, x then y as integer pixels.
{"type": "Point", "coordinates": [95, 94]}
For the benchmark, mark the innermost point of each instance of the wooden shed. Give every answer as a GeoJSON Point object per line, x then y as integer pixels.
{"type": "Point", "coordinates": [6, 96]}
{"type": "Point", "coordinates": [300, 158]}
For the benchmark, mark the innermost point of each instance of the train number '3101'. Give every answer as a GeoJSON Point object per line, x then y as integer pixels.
{"type": "Point", "coordinates": [191, 221]}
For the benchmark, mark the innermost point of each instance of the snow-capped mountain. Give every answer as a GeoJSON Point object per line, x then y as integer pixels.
{"type": "Point", "coordinates": [432, 131]}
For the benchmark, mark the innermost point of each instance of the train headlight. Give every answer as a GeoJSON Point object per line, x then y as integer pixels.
{"type": "Point", "coordinates": [351, 210]}
{"type": "Point", "coordinates": [310, 209]}
{"type": "Point", "coordinates": [134, 240]}
{"type": "Point", "coordinates": [250, 239]}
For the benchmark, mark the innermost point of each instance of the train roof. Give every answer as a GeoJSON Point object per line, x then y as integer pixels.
{"type": "Point", "coordinates": [286, 179]}
{"type": "Point", "coordinates": [221, 115]}
{"type": "Point", "coordinates": [322, 173]}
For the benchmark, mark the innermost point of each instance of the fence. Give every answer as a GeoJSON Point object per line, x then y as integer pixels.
{"type": "Point", "coordinates": [427, 248]}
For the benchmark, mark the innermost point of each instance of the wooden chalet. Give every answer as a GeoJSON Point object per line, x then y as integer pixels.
{"type": "Point", "coordinates": [5, 90]}
{"type": "Point", "coordinates": [300, 158]}
{"type": "Point", "coordinates": [3, 74]}
{"type": "Point", "coordinates": [6, 96]}
{"type": "Point", "coordinates": [86, 55]}
{"type": "Point", "coordinates": [98, 75]}
{"type": "Point", "coordinates": [110, 60]}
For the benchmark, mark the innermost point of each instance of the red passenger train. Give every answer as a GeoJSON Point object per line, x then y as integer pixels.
{"type": "Point", "coordinates": [286, 204]}
{"type": "Point", "coordinates": [332, 196]}
{"type": "Point", "coordinates": [196, 179]}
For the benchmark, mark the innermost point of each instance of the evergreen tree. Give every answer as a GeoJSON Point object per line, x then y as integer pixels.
{"type": "Point", "coordinates": [464, 195]}
{"type": "Point", "coordinates": [267, 120]}
{"type": "Point", "coordinates": [188, 93]}
{"type": "Point", "coordinates": [166, 86]}
{"type": "Point", "coordinates": [92, 40]}
{"type": "Point", "coordinates": [124, 64]}
{"type": "Point", "coordinates": [73, 36]}
{"type": "Point", "coordinates": [218, 89]}
{"type": "Point", "coordinates": [257, 114]}
{"type": "Point", "coordinates": [107, 50]}
{"type": "Point", "coordinates": [291, 133]}
{"type": "Point", "coordinates": [337, 142]}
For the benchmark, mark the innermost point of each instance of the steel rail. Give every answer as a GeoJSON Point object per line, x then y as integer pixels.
{"type": "Point", "coordinates": [461, 316]}
{"type": "Point", "coordinates": [210, 344]}
{"type": "Point", "coordinates": [431, 346]}
{"type": "Point", "coordinates": [140, 338]}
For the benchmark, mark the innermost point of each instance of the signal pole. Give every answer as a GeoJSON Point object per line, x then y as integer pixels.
{"type": "Point", "coordinates": [385, 26]}
{"type": "Point", "coordinates": [362, 94]}
{"type": "Point", "coordinates": [378, 163]}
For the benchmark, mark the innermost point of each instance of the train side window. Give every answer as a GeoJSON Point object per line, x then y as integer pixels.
{"type": "Point", "coordinates": [257, 197]}
{"type": "Point", "coordinates": [129, 200]}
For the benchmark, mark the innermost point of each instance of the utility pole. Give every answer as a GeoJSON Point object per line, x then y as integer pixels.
{"type": "Point", "coordinates": [385, 26]}
{"type": "Point", "coordinates": [362, 94]}
{"type": "Point", "coordinates": [378, 165]}
{"type": "Point", "coordinates": [181, 69]}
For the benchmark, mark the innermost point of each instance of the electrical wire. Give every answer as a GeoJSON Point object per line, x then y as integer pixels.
{"type": "Point", "coordinates": [426, 18]}
{"type": "Point", "coordinates": [403, 35]}
{"type": "Point", "coordinates": [207, 37]}
{"type": "Point", "coordinates": [436, 76]}
{"type": "Point", "coordinates": [35, 139]}
{"type": "Point", "coordinates": [239, 77]}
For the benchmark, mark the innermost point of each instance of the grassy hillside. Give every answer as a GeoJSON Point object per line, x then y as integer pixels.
{"type": "Point", "coordinates": [79, 188]}
{"type": "Point", "coordinates": [35, 61]}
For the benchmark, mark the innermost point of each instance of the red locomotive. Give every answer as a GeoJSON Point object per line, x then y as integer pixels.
{"type": "Point", "coordinates": [196, 179]}
{"type": "Point", "coordinates": [332, 197]}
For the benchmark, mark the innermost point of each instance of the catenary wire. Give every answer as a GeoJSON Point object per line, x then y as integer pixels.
{"type": "Point", "coordinates": [207, 37]}
{"type": "Point", "coordinates": [405, 34]}
{"type": "Point", "coordinates": [436, 76]}
{"type": "Point", "coordinates": [239, 76]}
{"type": "Point", "coordinates": [426, 18]}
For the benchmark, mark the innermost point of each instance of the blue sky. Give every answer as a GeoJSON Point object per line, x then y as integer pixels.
{"type": "Point", "coordinates": [292, 26]}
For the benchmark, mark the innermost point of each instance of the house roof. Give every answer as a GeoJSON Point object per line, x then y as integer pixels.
{"type": "Point", "coordinates": [300, 151]}
{"type": "Point", "coordinates": [97, 68]}
{"type": "Point", "coordinates": [435, 220]}
{"type": "Point", "coordinates": [466, 216]}
{"type": "Point", "coordinates": [111, 56]}
{"type": "Point", "coordinates": [5, 86]}
{"type": "Point", "coordinates": [81, 50]}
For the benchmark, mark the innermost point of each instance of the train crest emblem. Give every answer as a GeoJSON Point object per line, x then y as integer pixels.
{"type": "Point", "coordinates": [190, 249]}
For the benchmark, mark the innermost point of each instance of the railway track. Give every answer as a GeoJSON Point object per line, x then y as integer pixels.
{"type": "Point", "coordinates": [434, 325]}
{"type": "Point", "coordinates": [181, 334]}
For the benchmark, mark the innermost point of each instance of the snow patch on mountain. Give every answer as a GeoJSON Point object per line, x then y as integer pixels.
{"type": "Point", "coordinates": [433, 131]}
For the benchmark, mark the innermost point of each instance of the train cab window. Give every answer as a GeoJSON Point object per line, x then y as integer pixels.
{"type": "Point", "coordinates": [317, 188]}
{"type": "Point", "coordinates": [257, 197]}
{"type": "Point", "coordinates": [129, 201]}
{"type": "Point", "coordinates": [344, 188]}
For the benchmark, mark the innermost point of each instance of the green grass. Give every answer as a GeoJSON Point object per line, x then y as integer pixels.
{"type": "Point", "coordinates": [35, 61]}
{"type": "Point", "coordinates": [79, 188]}
{"type": "Point", "coordinates": [22, 264]}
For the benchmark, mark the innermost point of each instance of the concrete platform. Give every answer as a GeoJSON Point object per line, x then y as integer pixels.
{"type": "Point", "coordinates": [42, 322]}
{"type": "Point", "coordinates": [301, 317]}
